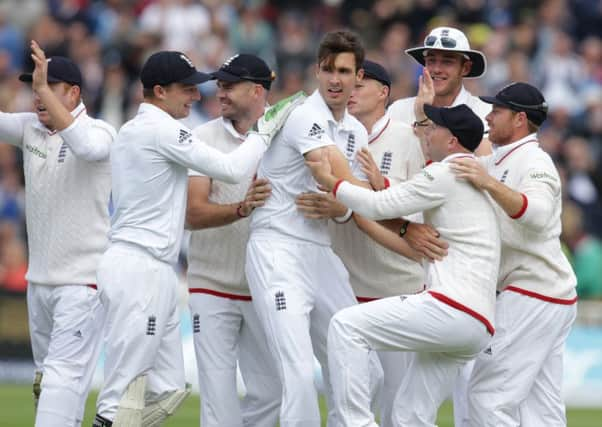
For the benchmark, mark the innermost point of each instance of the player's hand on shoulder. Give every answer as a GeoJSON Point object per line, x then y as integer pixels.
{"type": "Point", "coordinates": [274, 118]}
{"type": "Point", "coordinates": [472, 171]}
{"type": "Point", "coordinates": [426, 241]}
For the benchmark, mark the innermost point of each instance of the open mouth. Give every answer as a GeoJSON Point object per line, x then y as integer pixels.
{"type": "Point", "coordinates": [41, 109]}
{"type": "Point", "coordinates": [335, 91]}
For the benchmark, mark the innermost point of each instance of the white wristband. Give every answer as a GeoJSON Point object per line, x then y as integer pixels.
{"type": "Point", "coordinates": [343, 219]}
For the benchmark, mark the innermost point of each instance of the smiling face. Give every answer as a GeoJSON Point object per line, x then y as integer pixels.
{"type": "Point", "coordinates": [67, 94]}
{"type": "Point", "coordinates": [236, 99]}
{"type": "Point", "coordinates": [337, 76]}
{"type": "Point", "coordinates": [176, 99]}
{"type": "Point", "coordinates": [447, 70]}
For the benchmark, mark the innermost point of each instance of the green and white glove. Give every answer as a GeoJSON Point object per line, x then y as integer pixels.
{"type": "Point", "coordinates": [272, 121]}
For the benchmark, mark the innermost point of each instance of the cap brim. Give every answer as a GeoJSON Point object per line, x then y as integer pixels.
{"type": "Point", "coordinates": [196, 78]}
{"type": "Point", "coordinates": [479, 62]}
{"type": "Point", "coordinates": [434, 114]}
{"type": "Point", "coordinates": [225, 76]}
{"type": "Point", "coordinates": [27, 77]}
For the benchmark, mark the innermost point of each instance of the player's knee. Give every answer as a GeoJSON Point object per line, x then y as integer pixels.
{"type": "Point", "coordinates": [341, 326]}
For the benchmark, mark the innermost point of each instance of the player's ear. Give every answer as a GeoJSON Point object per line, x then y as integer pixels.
{"type": "Point", "coordinates": [159, 91]}
{"type": "Point", "coordinates": [466, 67]}
{"type": "Point", "coordinates": [360, 74]}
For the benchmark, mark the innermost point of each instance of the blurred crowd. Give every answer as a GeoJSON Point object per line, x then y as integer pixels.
{"type": "Point", "coordinates": [554, 44]}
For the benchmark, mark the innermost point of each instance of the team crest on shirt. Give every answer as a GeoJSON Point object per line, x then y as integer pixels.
{"type": "Point", "coordinates": [504, 176]}
{"type": "Point", "coordinates": [280, 301]}
{"type": "Point", "coordinates": [385, 163]}
{"type": "Point", "coordinates": [63, 152]}
{"type": "Point", "coordinates": [196, 323]}
{"type": "Point", "coordinates": [151, 325]}
{"type": "Point", "coordinates": [184, 137]}
{"type": "Point", "coordinates": [316, 131]}
{"type": "Point", "coordinates": [350, 145]}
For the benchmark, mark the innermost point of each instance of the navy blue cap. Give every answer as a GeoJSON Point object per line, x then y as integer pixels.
{"type": "Point", "coordinates": [521, 97]}
{"type": "Point", "coordinates": [245, 67]}
{"type": "Point", "coordinates": [60, 69]}
{"type": "Point", "coordinates": [167, 67]}
{"type": "Point", "coordinates": [375, 71]}
{"type": "Point", "coordinates": [461, 121]}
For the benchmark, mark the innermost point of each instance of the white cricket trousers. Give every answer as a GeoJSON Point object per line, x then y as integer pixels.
{"type": "Point", "coordinates": [517, 380]}
{"type": "Point", "coordinates": [442, 337]}
{"type": "Point", "coordinates": [226, 330]}
{"type": "Point", "coordinates": [297, 287]}
{"type": "Point", "coordinates": [142, 331]}
{"type": "Point", "coordinates": [65, 324]}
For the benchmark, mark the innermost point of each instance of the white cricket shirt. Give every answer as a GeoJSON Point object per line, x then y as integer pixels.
{"type": "Point", "coordinates": [149, 165]}
{"type": "Point", "coordinates": [464, 216]}
{"type": "Point", "coordinates": [532, 259]}
{"type": "Point", "coordinates": [374, 271]}
{"type": "Point", "coordinates": [310, 126]}
{"type": "Point", "coordinates": [67, 187]}
{"type": "Point", "coordinates": [216, 255]}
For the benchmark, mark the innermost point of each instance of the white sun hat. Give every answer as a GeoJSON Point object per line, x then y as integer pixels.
{"type": "Point", "coordinates": [454, 40]}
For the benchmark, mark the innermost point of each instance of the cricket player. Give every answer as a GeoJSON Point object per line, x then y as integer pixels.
{"type": "Point", "coordinates": [137, 282]}
{"type": "Point", "coordinates": [226, 328]}
{"type": "Point", "coordinates": [370, 252]}
{"type": "Point", "coordinates": [448, 60]}
{"type": "Point", "coordinates": [392, 156]}
{"type": "Point", "coordinates": [296, 280]}
{"type": "Point", "coordinates": [67, 187]}
{"type": "Point", "coordinates": [515, 382]}
{"type": "Point", "coordinates": [451, 322]}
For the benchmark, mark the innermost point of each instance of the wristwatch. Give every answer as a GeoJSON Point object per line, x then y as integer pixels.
{"type": "Point", "coordinates": [404, 228]}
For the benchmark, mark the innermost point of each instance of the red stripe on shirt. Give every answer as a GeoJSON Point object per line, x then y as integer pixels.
{"type": "Point", "coordinates": [387, 183]}
{"type": "Point", "coordinates": [92, 286]}
{"type": "Point", "coordinates": [513, 150]}
{"type": "Point", "coordinates": [446, 300]}
{"type": "Point", "coordinates": [522, 209]}
{"type": "Point", "coordinates": [540, 296]}
{"type": "Point", "coordinates": [220, 294]}
{"type": "Point", "coordinates": [336, 187]}
{"type": "Point", "coordinates": [379, 133]}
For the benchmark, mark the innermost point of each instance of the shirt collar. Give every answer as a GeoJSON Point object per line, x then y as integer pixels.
{"type": "Point", "coordinates": [75, 113]}
{"type": "Point", "coordinates": [502, 150]}
{"type": "Point", "coordinates": [462, 98]}
{"type": "Point", "coordinates": [148, 108]}
{"type": "Point", "coordinates": [456, 156]}
{"type": "Point", "coordinates": [378, 127]}
{"type": "Point", "coordinates": [229, 126]}
{"type": "Point", "coordinates": [316, 100]}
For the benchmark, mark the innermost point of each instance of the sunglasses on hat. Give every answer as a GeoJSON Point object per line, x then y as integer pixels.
{"type": "Point", "coordinates": [446, 42]}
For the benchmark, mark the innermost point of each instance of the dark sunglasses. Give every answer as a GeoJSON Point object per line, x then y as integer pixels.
{"type": "Point", "coordinates": [446, 42]}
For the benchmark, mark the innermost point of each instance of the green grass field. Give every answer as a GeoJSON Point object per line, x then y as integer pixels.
{"type": "Point", "coordinates": [17, 411]}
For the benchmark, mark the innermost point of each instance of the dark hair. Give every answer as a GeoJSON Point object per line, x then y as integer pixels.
{"type": "Point", "coordinates": [341, 41]}
{"type": "Point", "coordinates": [148, 92]}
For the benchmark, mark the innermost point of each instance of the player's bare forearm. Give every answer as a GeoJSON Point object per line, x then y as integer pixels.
{"type": "Point", "coordinates": [209, 215]}
{"type": "Point", "coordinates": [386, 238]}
